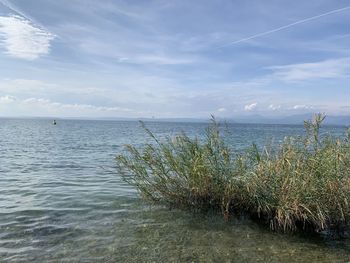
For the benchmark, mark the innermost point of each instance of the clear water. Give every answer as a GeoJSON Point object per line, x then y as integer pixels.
{"type": "Point", "coordinates": [61, 200]}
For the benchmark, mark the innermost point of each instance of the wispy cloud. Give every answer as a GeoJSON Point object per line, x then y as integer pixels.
{"type": "Point", "coordinates": [155, 59]}
{"type": "Point", "coordinates": [45, 107]}
{"type": "Point", "coordinates": [141, 50]}
{"type": "Point", "coordinates": [333, 68]}
{"type": "Point", "coordinates": [160, 58]}
{"type": "Point", "coordinates": [22, 39]}
{"type": "Point", "coordinates": [48, 103]}
{"type": "Point", "coordinates": [14, 9]}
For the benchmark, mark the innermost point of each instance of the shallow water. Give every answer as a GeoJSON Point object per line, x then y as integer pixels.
{"type": "Point", "coordinates": [61, 200]}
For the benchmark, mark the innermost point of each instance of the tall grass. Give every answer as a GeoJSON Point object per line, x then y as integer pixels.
{"type": "Point", "coordinates": [304, 181]}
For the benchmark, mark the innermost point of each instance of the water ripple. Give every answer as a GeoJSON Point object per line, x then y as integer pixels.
{"type": "Point", "coordinates": [61, 201]}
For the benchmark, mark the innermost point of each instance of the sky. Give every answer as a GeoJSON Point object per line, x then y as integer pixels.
{"type": "Point", "coordinates": [174, 59]}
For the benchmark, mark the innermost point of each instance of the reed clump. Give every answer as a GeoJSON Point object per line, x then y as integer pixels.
{"type": "Point", "coordinates": [304, 181]}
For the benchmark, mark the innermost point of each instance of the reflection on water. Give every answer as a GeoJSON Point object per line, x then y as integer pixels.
{"type": "Point", "coordinates": [61, 200]}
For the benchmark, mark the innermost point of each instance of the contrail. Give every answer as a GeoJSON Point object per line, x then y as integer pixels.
{"type": "Point", "coordinates": [287, 26]}
{"type": "Point", "coordinates": [18, 11]}
{"type": "Point", "coordinates": [11, 7]}
{"type": "Point", "coordinates": [23, 15]}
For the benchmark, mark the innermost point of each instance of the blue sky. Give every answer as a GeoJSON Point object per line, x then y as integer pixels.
{"type": "Point", "coordinates": [164, 58]}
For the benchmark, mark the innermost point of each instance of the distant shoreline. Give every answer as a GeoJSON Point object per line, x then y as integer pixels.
{"type": "Point", "coordinates": [342, 121]}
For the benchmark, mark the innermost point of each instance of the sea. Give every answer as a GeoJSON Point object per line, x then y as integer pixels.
{"type": "Point", "coordinates": [62, 200]}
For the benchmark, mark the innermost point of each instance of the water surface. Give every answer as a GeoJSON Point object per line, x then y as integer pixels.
{"type": "Point", "coordinates": [61, 200]}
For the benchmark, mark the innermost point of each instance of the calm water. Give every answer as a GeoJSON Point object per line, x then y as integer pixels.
{"type": "Point", "coordinates": [62, 201]}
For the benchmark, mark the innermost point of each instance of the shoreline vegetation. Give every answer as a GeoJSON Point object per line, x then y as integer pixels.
{"type": "Point", "coordinates": [302, 183]}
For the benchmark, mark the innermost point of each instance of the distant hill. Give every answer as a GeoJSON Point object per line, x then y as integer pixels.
{"type": "Point", "coordinates": [292, 119]}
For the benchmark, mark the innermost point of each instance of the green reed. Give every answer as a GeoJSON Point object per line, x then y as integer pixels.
{"type": "Point", "coordinates": [304, 181]}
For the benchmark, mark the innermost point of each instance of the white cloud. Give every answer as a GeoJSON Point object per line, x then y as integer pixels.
{"type": "Point", "coordinates": [274, 107]}
{"type": "Point", "coordinates": [250, 107]}
{"type": "Point", "coordinates": [222, 110]}
{"type": "Point", "coordinates": [22, 39]}
{"type": "Point", "coordinates": [302, 107]}
{"type": "Point", "coordinates": [333, 68]}
{"type": "Point", "coordinates": [7, 99]}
